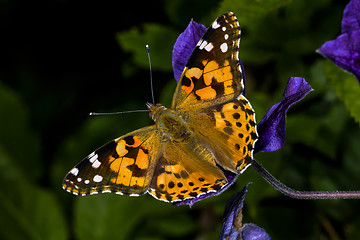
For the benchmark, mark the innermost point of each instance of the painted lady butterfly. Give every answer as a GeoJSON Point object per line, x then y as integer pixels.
{"type": "Point", "coordinates": [209, 129]}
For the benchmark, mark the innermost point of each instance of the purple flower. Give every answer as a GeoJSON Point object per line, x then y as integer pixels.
{"type": "Point", "coordinates": [232, 228]}
{"type": "Point", "coordinates": [344, 51]}
{"type": "Point", "coordinates": [271, 129]}
{"type": "Point", "coordinates": [184, 46]}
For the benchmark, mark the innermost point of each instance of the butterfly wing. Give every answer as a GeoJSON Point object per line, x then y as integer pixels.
{"type": "Point", "coordinates": [123, 166]}
{"type": "Point", "coordinates": [186, 170]}
{"type": "Point", "coordinates": [145, 160]}
{"type": "Point", "coordinates": [229, 129]}
{"type": "Point", "coordinates": [209, 96]}
{"type": "Point", "coordinates": [213, 73]}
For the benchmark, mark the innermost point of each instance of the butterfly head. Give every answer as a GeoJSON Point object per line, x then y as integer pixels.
{"type": "Point", "coordinates": [155, 109]}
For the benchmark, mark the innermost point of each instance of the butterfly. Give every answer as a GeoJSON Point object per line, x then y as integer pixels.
{"type": "Point", "coordinates": [209, 129]}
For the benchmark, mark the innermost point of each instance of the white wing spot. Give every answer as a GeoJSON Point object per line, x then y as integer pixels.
{"type": "Point", "coordinates": [223, 28]}
{"type": "Point", "coordinates": [93, 157]}
{"type": "Point", "coordinates": [87, 181]}
{"type": "Point", "coordinates": [215, 25]}
{"type": "Point", "coordinates": [209, 47]}
{"type": "Point", "coordinates": [79, 179]}
{"type": "Point", "coordinates": [96, 164]}
{"type": "Point", "coordinates": [74, 171]}
{"type": "Point", "coordinates": [224, 47]}
{"type": "Point", "coordinates": [203, 44]}
{"type": "Point", "coordinates": [226, 36]}
{"type": "Point", "coordinates": [97, 178]}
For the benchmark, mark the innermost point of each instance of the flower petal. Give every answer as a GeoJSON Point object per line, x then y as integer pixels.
{"type": "Point", "coordinates": [271, 129]}
{"type": "Point", "coordinates": [344, 51]}
{"type": "Point", "coordinates": [351, 17]}
{"type": "Point", "coordinates": [232, 228]}
{"type": "Point", "coordinates": [251, 231]}
{"type": "Point", "coordinates": [185, 45]}
{"type": "Point", "coordinates": [232, 213]}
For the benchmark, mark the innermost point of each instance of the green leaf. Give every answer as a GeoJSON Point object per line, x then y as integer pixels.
{"type": "Point", "coordinates": [110, 216]}
{"type": "Point", "coordinates": [16, 136]}
{"type": "Point", "coordinates": [346, 87]}
{"type": "Point", "coordinates": [249, 11]}
{"type": "Point", "coordinates": [179, 12]}
{"type": "Point", "coordinates": [160, 38]}
{"type": "Point", "coordinates": [27, 212]}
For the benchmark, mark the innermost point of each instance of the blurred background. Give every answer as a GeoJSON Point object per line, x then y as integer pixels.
{"type": "Point", "coordinates": [62, 59]}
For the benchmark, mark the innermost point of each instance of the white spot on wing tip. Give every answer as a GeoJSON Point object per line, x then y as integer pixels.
{"type": "Point", "coordinates": [202, 45]}
{"type": "Point", "coordinates": [209, 47]}
{"type": "Point", "coordinates": [74, 171]}
{"type": "Point", "coordinates": [215, 25]}
{"type": "Point", "coordinates": [96, 164]}
{"type": "Point", "coordinates": [93, 157]}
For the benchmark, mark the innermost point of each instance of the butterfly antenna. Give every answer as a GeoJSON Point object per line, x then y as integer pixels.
{"type": "Point", "coordinates": [133, 111]}
{"type": "Point", "coordinates": [151, 81]}
{"type": "Point", "coordinates": [116, 113]}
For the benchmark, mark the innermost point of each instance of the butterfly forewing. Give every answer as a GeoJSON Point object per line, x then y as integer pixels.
{"type": "Point", "coordinates": [123, 166]}
{"type": "Point", "coordinates": [213, 73]}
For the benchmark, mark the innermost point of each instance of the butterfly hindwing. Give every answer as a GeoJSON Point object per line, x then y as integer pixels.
{"type": "Point", "coordinates": [186, 170]}
{"type": "Point", "coordinates": [124, 166]}
{"type": "Point", "coordinates": [213, 73]}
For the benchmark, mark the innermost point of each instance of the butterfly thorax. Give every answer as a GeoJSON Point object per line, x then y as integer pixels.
{"type": "Point", "coordinates": [169, 123]}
